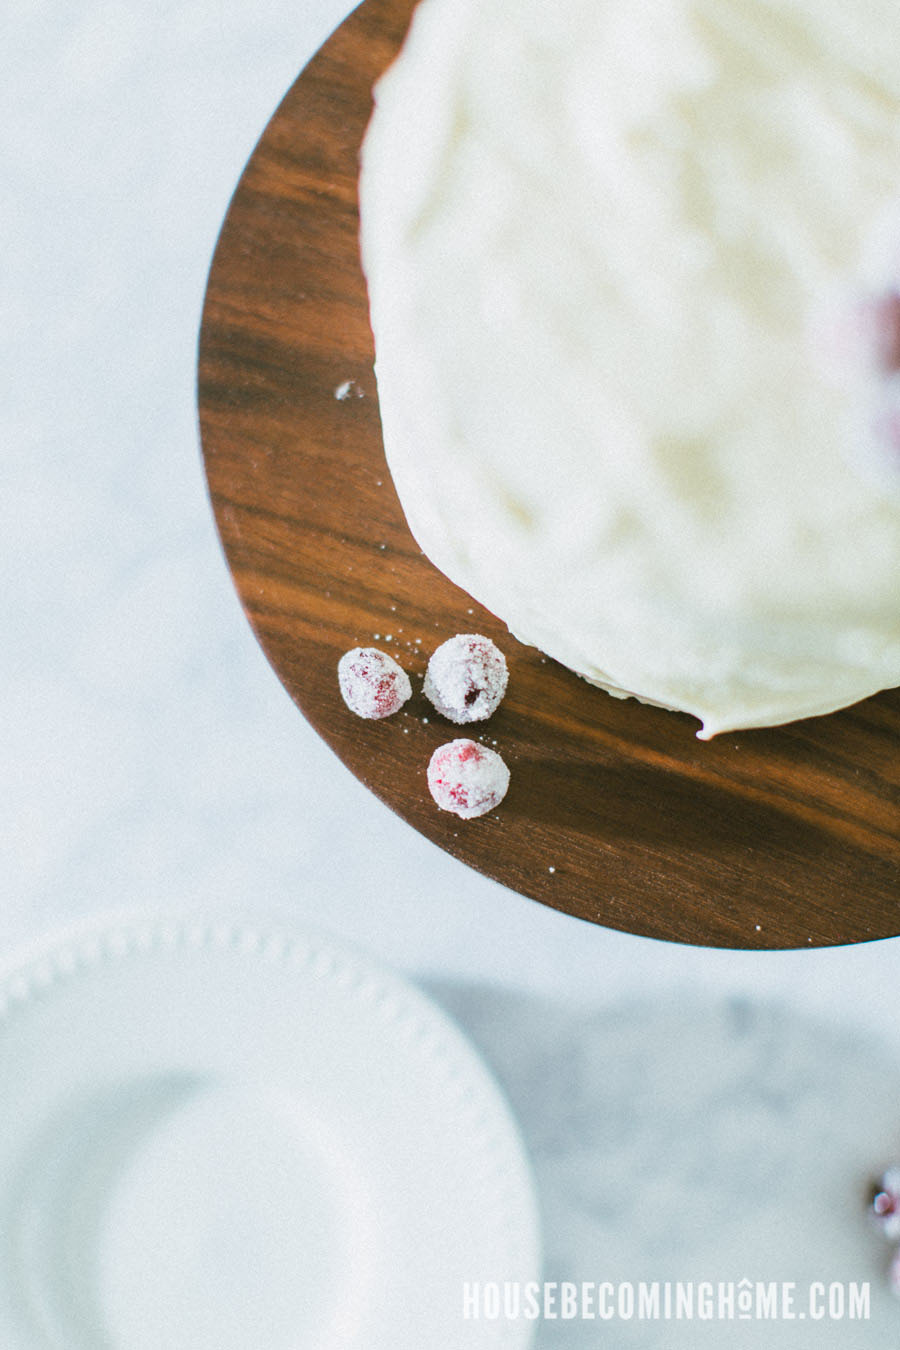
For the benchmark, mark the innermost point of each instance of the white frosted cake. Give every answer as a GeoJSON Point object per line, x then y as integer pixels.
{"type": "Point", "coordinates": [634, 272]}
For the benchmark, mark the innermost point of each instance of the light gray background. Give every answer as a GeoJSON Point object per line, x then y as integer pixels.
{"type": "Point", "coordinates": [149, 755]}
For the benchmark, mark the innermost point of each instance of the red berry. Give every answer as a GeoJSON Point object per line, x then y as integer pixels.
{"type": "Point", "coordinates": [467, 778]}
{"type": "Point", "coordinates": [894, 1273]}
{"type": "Point", "coordinates": [466, 678]}
{"type": "Point", "coordinates": [372, 683]}
{"type": "Point", "coordinates": [885, 1203]}
{"type": "Point", "coordinates": [879, 326]}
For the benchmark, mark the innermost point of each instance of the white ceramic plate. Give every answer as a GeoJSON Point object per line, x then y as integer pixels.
{"type": "Point", "coordinates": [218, 1138]}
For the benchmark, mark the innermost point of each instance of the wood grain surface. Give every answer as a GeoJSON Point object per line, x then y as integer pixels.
{"type": "Point", "coordinates": [616, 813]}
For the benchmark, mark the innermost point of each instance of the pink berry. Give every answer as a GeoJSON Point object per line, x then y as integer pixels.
{"type": "Point", "coordinates": [466, 678]}
{"type": "Point", "coordinates": [885, 1203]}
{"type": "Point", "coordinates": [894, 1273]}
{"type": "Point", "coordinates": [372, 683]}
{"type": "Point", "coordinates": [467, 778]}
{"type": "Point", "coordinates": [878, 320]}
{"type": "Point", "coordinates": [860, 337]}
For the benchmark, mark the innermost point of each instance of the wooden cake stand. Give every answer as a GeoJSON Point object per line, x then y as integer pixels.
{"type": "Point", "coordinates": [616, 813]}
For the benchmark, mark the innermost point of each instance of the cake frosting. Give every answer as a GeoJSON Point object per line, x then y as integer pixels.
{"type": "Point", "coordinates": [631, 267]}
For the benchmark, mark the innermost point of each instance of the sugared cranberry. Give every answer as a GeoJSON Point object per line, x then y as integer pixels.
{"type": "Point", "coordinates": [467, 778]}
{"type": "Point", "coordinates": [466, 678]}
{"type": "Point", "coordinates": [894, 1273]}
{"type": "Point", "coordinates": [885, 1203]}
{"type": "Point", "coordinates": [878, 328]}
{"type": "Point", "coordinates": [372, 683]}
{"type": "Point", "coordinates": [859, 336]}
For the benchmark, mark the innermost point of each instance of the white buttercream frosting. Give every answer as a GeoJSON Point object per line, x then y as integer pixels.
{"type": "Point", "coordinates": [611, 248]}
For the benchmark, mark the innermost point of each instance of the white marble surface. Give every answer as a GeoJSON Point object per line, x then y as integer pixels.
{"type": "Point", "coordinates": [149, 755]}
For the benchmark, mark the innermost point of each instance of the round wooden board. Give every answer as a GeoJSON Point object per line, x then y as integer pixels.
{"type": "Point", "coordinates": [616, 813]}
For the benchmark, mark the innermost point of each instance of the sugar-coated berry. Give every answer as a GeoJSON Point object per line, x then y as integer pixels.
{"type": "Point", "coordinates": [467, 778]}
{"type": "Point", "coordinates": [466, 678]}
{"type": "Point", "coordinates": [894, 1273]}
{"type": "Point", "coordinates": [878, 322]}
{"type": "Point", "coordinates": [372, 683]}
{"type": "Point", "coordinates": [885, 1203]}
